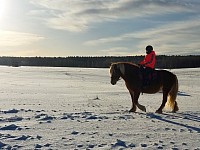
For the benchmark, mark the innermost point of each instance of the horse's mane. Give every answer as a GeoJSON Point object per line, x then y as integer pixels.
{"type": "Point", "coordinates": [128, 63]}
{"type": "Point", "coordinates": [125, 67]}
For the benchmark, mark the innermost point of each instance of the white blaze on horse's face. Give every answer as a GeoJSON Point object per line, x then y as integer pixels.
{"type": "Point", "coordinates": [116, 70]}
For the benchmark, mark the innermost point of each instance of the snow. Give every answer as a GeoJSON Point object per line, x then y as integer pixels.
{"type": "Point", "coordinates": [78, 108]}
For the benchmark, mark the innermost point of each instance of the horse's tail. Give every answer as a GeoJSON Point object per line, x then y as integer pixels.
{"type": "Point", "coordinates": [171, 100]}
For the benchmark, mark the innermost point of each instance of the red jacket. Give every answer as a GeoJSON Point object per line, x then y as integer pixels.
{"type": "Point", "coordinates": [149, 60]}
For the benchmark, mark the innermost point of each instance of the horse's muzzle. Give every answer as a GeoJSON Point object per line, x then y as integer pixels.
{"type": "Point", "coordinates": [113, 82]}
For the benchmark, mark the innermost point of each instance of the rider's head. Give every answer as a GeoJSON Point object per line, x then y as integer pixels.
{"type": "Point", "coordinates": [149, 48]}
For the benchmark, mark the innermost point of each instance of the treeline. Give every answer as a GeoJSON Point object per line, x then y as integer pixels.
{"type": "Point", "coordinates": [167, 62]}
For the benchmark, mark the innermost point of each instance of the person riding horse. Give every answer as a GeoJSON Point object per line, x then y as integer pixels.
{"type": "Point", "coordinates": [165, 81]}
{"type": "Point", "coordinates": [147, 65]}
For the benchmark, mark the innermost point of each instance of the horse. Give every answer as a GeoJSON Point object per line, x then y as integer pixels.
{"type": "Point", "coordinates": [132, 75]}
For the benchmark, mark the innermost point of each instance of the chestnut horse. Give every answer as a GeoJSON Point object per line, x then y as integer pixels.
{"type": "Point", "coordinates": [132, 75]}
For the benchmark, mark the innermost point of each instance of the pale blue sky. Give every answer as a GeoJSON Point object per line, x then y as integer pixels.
{"type": "Point", "coordinates": [98, 27]}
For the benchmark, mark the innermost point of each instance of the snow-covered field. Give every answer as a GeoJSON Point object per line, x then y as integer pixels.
{"type": "Point", "coordinates": [78, 108]}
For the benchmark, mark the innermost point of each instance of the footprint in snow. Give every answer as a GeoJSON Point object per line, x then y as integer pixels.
{"type": "Point", "coordinates": [11, 127]}
{"type": "Point", "coordinates": [143, 145]}
{"type": "Point", "coordinates": [38, 146]}
{"type": "Point", "coordinates": [2, 144]}
{"type": "Point", "coordinates": [23, 138]}
{"type": "Point", "coordinates": [119, 143]}
{"type": "Point", "coordinates": [75, 133]}
{"type": "Point", "coordinates": [14, 119]}
{"type": "Point", "coordinates": [46, 118]}
{"type": "Point", "coordinates": [11, 111]}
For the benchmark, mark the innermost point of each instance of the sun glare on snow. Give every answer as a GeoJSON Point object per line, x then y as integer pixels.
{"type": "Point", "coordinates": [3, 7]}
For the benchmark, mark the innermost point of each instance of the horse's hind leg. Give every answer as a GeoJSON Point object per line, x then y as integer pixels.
{"type": "Point", "coordinates": [165, 94]}
{"type": "Point", "coordinates": [175, 107]}
{"type": "Point", "coordinates": [141, 107]}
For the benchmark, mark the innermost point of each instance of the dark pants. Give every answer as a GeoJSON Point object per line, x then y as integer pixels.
{"type": "Point", "coordinates": [146, 76]}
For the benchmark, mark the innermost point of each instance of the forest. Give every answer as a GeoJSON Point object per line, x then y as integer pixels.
{"type": "Point", "coordinates": [162, 61]}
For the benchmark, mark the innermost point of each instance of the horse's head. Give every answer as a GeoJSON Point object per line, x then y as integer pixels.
{"type": "Point", "coordinates": [116, 71]}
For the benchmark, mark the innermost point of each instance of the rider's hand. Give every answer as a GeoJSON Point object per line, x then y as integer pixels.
{"type": "Point", "coordinates": [141, 66]}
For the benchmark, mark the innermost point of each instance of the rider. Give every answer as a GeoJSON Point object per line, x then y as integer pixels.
{"type": "Point", "coordinates": [148, 64]}
{"type": "Point", "coordinates": [150, 59]}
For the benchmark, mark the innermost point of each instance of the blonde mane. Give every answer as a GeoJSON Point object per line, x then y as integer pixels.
{"type": "Point", "coordinates": [121, 66]}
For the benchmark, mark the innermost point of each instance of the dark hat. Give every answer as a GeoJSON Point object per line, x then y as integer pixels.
{"type": "Point", "coordinates": [149, 48]}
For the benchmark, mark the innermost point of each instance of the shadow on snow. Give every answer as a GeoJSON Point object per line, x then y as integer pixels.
{"type": "Point", "coordinates": [186, 116]}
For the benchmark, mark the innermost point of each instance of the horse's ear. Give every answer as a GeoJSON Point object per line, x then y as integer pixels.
{"type": "Point", "coordinates": [111, 63]}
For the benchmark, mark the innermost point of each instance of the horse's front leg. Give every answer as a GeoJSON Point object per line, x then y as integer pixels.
{"type": "Point", "coordinates": [133, 109]}
{"type": "Point", "coordinates": [136, 97]}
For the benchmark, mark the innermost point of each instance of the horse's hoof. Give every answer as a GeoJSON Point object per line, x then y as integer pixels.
{"type": "Point", "coordinates": [175, 108]}
{"type": "Point", "coordinates": [174, 111]}
{"type": "Point", "coordinates": [144, 110]}
{"type": "Point", "coordinates": [159, 111]}
{"type": "Point", "coordinates": [132, 110]}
